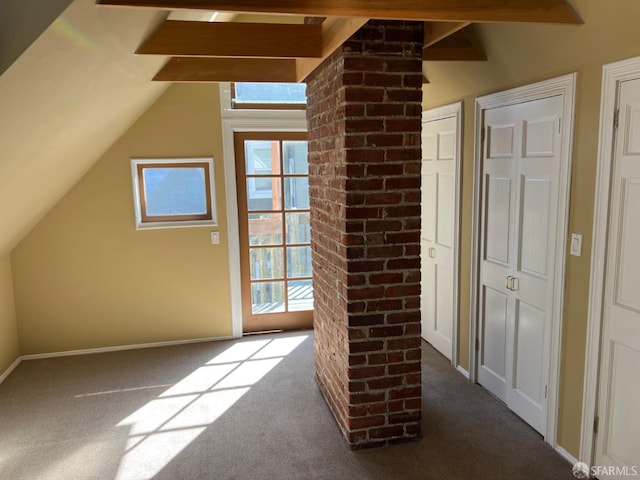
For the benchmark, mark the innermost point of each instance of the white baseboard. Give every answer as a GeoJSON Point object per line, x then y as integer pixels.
{"type": "Point", "coordinates": [566, 455]}
{"type": "Point", "coordinates": [10, 369]}
{"type": "Point", "coordinates": [91, 351]}
{"type": "Point", "coordinates": [463, 372]}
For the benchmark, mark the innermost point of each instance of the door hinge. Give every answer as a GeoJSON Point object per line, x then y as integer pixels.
{"type": "Point", "coordinates": [616, 119]}
{"type": "Point", "coordinates": [596, 424]}
{"type": "Point", "coordinates": [477, 345]}
{"type": "Point", "coordinates": [560, 125]}
{"type": "Point", "coordinates": [546, 390]}
{"type": "Point", "coordinates": [482, 134]}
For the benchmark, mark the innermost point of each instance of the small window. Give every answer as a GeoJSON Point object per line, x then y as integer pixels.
{"type": "Point", "coordinates": [173, 192]}
{"type": "Point", "coordinates": [273, 96]}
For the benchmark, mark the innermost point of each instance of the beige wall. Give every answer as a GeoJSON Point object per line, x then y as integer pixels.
{"type": "Point", "coordinates": [521, 54]}
{"type": "Point", "coordinates": [9, 345]}
{"type": "Point", "coordinates": [85, 278]}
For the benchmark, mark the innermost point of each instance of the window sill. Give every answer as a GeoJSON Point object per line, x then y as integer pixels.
{"type": "Point", "coordinates": [163, 225]}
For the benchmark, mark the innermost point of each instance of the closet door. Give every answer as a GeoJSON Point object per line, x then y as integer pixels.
{"type": "Point", "coordinates": [438, 245]}
{"type": "Point", "coordinates": [521, 187]}
{"type": "Point", "coordinates": [617, 444]}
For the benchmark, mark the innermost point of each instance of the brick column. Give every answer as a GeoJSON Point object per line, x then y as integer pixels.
{"type": "Point", "coordinates": [364, 119]}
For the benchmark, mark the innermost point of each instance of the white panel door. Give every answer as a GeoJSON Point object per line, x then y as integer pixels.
{"type": "Point", "coordinates": [439, 177]}
{"type": "Point", "coordinates": [618, 440]}
{"type": "Point", "coordinates": [499, 178]}
{"type": "Point", "coordinates": [521, 173]}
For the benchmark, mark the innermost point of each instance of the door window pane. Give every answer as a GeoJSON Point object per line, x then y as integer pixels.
{"type": "Point", "coordinates": [267, 297]}
{"type": "Point", "coordinates": [263, 193]}
{"type": "Point", "coordinates": [298, 262]}
{"type": "Point", "coordinates": [265, 229]}
{"type": "Point", "coordinates": [262, 157]}
{"type": "Point", "coordinates": [300, 295]}
{"type": "Point", "coordinates": [298, 227]}
{"type": "Point", "coordinates": [296, 193]}
{"type": "Point", "coordinates": [294, 157]}
{"type": "Point", "coordinates": [266, 263]}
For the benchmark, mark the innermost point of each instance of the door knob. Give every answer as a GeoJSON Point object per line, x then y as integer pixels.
{"type": "Point", "coordinates": [432, 252]}
{"type": "Point", "coordinates": [513, 283]}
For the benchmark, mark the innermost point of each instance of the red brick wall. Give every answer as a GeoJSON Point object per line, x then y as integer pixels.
{"type": "Point", "coordinates": [364, 118]}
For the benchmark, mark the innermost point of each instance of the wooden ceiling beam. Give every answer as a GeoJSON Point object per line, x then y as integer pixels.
{"type": "Point", "coordinates": [537, 11]}
{"type": "Point", "coordinates": [314, 20]}
{"type": "Point", "coordinates": [190, 69]}
{"type": "Point", "coordinates": [219, 39]}
{"type": "Point", "coordinates": [335, 31]}
{"type": "Point", "coordinates": [457, 47]}
{"type": "Point", "coordinates": [436, 31]}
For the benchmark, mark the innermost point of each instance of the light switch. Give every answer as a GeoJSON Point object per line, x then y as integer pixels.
{"type": "Point", "coordinates": [576, 244]}
{"type": "Point", "coordinates": [215, 238]}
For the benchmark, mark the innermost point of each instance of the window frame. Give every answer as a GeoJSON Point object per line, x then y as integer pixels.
{"type": "Point", "coordinates": [235, 105]}
{"type": "Point", "coordinates": [144, 221]}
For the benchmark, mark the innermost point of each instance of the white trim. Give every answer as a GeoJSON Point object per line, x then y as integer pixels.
{"type": "Point", "coordinates": [228, 112]}
{"type": "Point", "coordinates": [566, 455]}
{"type": "Point", "coordinates": [119, 348]}
{"type": "Point", "coordinates": [612, 75]}
{"type": "Point", "coordinates": [440, 113]}
{"type": "Point", "coordinates": [11, 368]}
{"type": "Point", "coordinates": [476, 203]}
{"type": "Point", "coordinates": [564, 86]}
{"type": "Point", "coordinates": [245, 121]}
{"type": "Point", "coordinates": [137, 207]}
{"type": "Point", "coordinates": [464, 373]}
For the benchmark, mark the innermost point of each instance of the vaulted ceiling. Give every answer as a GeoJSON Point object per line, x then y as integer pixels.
{"type": "Point", "coordinates": [71, 83]}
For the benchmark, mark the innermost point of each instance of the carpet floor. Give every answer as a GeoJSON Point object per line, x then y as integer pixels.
{"type": "Point", "coordinates": [249, 410]}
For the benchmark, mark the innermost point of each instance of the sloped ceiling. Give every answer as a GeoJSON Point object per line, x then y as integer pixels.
{"type": "Point", "coordinates": [33, 16]}
{"type": "Point", "coordinates": [64, 102]}
{"type": "Point", "coordinates": [78, 87]}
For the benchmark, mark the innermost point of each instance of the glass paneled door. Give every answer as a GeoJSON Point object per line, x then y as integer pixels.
{"type": "Point", "coordinates": [275, 234]}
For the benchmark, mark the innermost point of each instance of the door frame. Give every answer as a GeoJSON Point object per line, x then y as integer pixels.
{"type": "Point", "coordinates": [564, 86]}
{"type": "Point", "coordinates": [612, 75]}
{"type": "Point", "coordinates": [245, 121]}
{"type": "Point", "coordinates": [288, 319]}
{"type": "Point", "coordinates": [430, 115]}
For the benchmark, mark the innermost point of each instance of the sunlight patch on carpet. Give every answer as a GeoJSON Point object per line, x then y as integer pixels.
{"type": "Point", "coordinates": [163, 428]}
